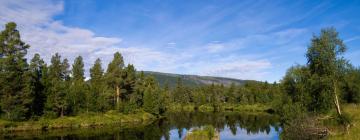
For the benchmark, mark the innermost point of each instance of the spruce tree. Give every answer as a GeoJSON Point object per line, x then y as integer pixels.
{"type": "Point", "coordinates": [15, 97]}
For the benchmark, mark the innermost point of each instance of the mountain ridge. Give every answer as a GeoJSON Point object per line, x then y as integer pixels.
{"type": "Point", "coordinates": [193, 80]}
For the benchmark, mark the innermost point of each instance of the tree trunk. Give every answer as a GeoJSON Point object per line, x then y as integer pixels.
{"type": "Point", "coordinates": [62, 112]}
{"type": "Point", "coordinates": [337, 104]}
{"type": "Point", "coordinates": [117, 95]}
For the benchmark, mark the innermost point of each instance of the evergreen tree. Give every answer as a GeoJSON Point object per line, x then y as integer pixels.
{"type": "Point", "coordinates": [58, 86]}
{"type": "Point", "coordinates": [36, 74]}
{"type": "Point", "coordinates": [99, 97]}
{"type": "Point", "coordinates": [140, 86]}
{"type": "Point", "coordinates": [165, 98]}
{"type": "Point", "coordinates": [180, 92]}
{"type": "Point", "coordinates": [15, 97]}
{"type": "Point", "coordinates": [230, 94]}
{"type": "Point", "coordinates": [151, 96]}
{"type": "Point", "coordinates": [114, 77]}
{"type": "Point", "coordinates": [78, 97]}
{"type": "Point", "coordinates": [129, 77]}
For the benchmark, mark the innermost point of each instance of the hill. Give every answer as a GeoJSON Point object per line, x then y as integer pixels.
{"type": "Point", "coordinates": [192, 80]}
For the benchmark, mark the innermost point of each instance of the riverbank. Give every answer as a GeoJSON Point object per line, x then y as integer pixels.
{"type": "Point", "coordinates": [223, 107]}
{"type": "Point", "coordinates": [81, 121]}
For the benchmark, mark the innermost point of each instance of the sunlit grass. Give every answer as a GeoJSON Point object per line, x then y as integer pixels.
{"type": "Point", "coordinates": [80, 121]}
{"type": "Point", "coordinates": [354, 131]}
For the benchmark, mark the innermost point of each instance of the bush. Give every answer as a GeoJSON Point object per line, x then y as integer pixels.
{"type": "Point", "coordinates": [291, 111]}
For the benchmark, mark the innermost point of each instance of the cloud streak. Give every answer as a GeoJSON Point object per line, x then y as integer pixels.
{"type": "Point", "coordinates": [227, 39]}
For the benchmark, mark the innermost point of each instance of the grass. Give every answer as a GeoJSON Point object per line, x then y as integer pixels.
{"type": "Point", "coordinates": [80, 121]}
{"type": "Point", "coordinates": [354, 131]}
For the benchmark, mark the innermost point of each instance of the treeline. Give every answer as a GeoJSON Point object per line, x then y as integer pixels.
{"type": "Point", "coordinates": [34, 89]}
{"type": "Point", "coordinates": [251, 92]}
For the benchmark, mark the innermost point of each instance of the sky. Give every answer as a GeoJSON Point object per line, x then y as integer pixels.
{"type": "Point", "coordinates": [244, 39]}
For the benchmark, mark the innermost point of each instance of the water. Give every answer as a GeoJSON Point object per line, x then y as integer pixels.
{"type": "Point", "coordinates": [232, 126]}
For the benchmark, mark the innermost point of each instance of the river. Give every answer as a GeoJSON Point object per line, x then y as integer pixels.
{"type": "Point", "coordinates": [174, 126]}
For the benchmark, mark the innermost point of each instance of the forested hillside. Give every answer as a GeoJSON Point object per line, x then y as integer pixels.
{"type": "Point", "coordinates": [192, 80]}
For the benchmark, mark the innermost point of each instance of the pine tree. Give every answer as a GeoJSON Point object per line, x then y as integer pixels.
{"type": "Point", "coordinates": [114, 76]}
{"type": "Point", "coordinates": [230, 94]}
{"type": "Point", "coordinates": [129, 77]}
{"type": "Point", "coordinates": [151, 96]}
{"type": "Point", "coordinates": [140, 86]}
{"type": "Point", "coordinates": [78, 97]}
{"type": "Point", "coordinates": [36, 85]}
{"type": "Point", "coordinates": [58, 78]}
{"type": "Point", "coordinates": [15, 97]}
{"type": "Point", "coordinates": [165, 98]}
{"type": "Point", "coordinates": [99, 98]}
{"type": "Point", "coordinates": [179, 93]}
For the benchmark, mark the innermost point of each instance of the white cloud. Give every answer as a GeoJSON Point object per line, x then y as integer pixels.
{"type": "Point", "coordinates": [215, 47]}
{"type": "Point", "coordinates": [352, 39]}
{"type": "Point", "coordinates": [236, 68]}
{"type": "Point", "coordinates": [47, 36]}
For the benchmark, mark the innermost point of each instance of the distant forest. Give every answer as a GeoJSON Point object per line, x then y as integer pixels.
{"type": "Point", "coordinates": [33, 89]}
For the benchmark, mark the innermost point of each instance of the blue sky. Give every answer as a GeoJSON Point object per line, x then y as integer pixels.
{"type": "Point", "coordinates": [246, 39]}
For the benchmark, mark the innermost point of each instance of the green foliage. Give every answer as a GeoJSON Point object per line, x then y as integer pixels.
{"type": "Point", "coordinates": [36, 84]}
{"type": "Point", "coordinates": [36, 90]}
{"type": "Point", "coordinates": [316, 84]}
{"type": "Point", "coordinates": [97, 96]}
{"type": "Point", "coordinates": [351, 86]}
{"type": "Point", "coordinates": [57, 90]}
{"type": "Point", "coordinates": [151, 96]}
{"type": "Point", "coordinates": [344, 119]}
{"type": "Point", "coordinates": [114, 77]}
{"type": "Point", "coordinates": [324, 55]}
{"type": "Point", "coordinates": [78, 97]}
{"type": "Point", "coordinates": [15, 92]}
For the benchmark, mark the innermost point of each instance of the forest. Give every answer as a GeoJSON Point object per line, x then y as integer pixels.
{"type": "Point", "coordinates": [32, 89]}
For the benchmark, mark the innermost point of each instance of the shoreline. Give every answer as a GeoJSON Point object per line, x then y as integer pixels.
{"type": "Point", "coordinates": [81, 121]}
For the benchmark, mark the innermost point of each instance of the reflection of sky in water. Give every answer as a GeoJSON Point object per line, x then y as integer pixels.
{"type": "Point", "coordinates": [174, 134]}
{"type": "Point", "coordinates": [241, 134]}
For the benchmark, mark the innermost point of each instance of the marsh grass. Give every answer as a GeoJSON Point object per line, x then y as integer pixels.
{"type": "Point", "coordinates": [353, 133]}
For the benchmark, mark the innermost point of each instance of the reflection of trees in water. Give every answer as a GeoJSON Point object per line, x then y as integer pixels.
{"type": "Point", "coordinates": [252, 123]}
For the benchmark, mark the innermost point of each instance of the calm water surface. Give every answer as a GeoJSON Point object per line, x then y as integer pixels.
{"type": "Point", "coordinates": [232, 126]}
